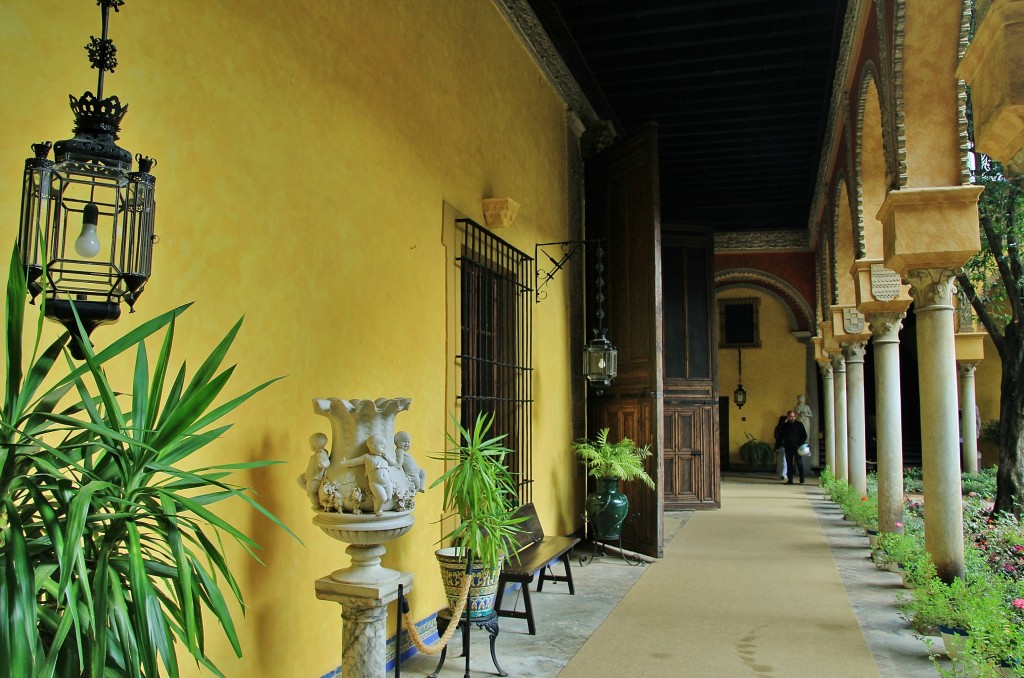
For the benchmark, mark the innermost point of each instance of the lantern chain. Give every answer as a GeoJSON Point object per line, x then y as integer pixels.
{"type": "Point", "coordinates": [102, 51]}
{"type": "Point", "coordinates": [599, 284]}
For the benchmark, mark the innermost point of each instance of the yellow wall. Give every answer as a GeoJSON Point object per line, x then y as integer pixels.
{"type": "Point", "coordinates": [773, 375]}
{"type": "Point", "coordinates": [986, 385]}
{"type": "Point", "coordinates": [305, 150]}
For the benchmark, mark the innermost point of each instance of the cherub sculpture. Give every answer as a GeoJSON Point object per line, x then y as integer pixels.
{"type": "Point", "coordinates": [315, 469]}
{"type": "Point", "coordinates": [376, 462]}
{"type": "Point", "coordinates": [417, 476]}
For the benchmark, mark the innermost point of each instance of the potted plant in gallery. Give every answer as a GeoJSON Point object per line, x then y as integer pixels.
{"type": "Point", "coordinates": [608, 463]}
{"type": "Point", "coordinates": [112, 558]}
{"type": "Point", "coordinates": [757, 454]}
{"type": "Point", "coordinates": [481, 491]}
{"type": "Point", "coordinates": [896, 549]}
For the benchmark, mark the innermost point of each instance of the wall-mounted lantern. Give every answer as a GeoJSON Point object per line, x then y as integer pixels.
{"type": "Point", "coordinates": [600, 357]}
{"type": "Point", "coordinates": [86, 234]}
{"type": "Point", "coordinates": [739, 396]}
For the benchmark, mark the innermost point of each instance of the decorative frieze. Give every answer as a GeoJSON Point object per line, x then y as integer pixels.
{"type": "Point", "coordinates": [531, 33]}
{"type": "Point", "coordinates": [761, 240]}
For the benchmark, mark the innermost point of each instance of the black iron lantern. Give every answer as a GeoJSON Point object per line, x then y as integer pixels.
{"type": "Point", "coordinates": [739, 396]}
{"type": "Point", "coordinates": [600, 357]}
{"type": "Point", "coordinates": [86, 236]}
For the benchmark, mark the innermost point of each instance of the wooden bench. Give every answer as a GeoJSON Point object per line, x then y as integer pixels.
{"type": "Point", "coordinates": [536, 553]}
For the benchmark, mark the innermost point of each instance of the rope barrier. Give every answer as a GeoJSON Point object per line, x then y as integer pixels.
{"type": "Point", "coordinates": [442, 642]}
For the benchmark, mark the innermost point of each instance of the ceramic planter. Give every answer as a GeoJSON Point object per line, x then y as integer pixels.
{"type": "Point", "coordinates": [953, 638]}
{"type": "Point", "coordinates": [482, 590]}
{"type": "Point", "coordinates": [607, 509]}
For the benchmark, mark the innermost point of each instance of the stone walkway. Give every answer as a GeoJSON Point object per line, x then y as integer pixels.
{"type": "Point", "coordinates": [606, 587]}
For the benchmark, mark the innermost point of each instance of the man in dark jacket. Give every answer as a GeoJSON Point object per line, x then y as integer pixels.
{"type": "Point", "coordinates": [793, 435]}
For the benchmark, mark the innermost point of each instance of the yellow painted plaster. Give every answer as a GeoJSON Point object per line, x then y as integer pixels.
{"type": "Point", "coordinates": [845, 253]}
{"type": "Point", "coordinates": [872, 172]}
{"type": "Point", "coordinates": [930, 105]}
{"type": "Point", "coordinates": [305, 152]}
{"type": "Point", "coordinates": [773, 375]}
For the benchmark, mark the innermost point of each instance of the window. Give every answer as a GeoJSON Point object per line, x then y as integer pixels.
{"type": "Point", "coordinates": [495, 349]}
{"type": "Point", "coordinates": [738, 323]}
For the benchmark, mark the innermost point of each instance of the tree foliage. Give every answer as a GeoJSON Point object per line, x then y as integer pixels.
{"type": "Point", "coordinates": [993, 282]}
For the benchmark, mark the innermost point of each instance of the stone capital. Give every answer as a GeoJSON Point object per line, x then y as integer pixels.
{"type": "Point", "coordinates": [930, 227]}
{"type": "Point", "coordinates": [932, 288]}
{"type": "Point", "coordinates": [838, 364]}
{"type": "Point", "coordinates": [854, 351]}
{"type": "Point", "coordinates": [886, 326]}
{"type": "Point", "coordinates": [994, 68]}
{"type": "Point", "coordinates": [965, 369]}
{"type": "Point", "coordinates": [826, 370]}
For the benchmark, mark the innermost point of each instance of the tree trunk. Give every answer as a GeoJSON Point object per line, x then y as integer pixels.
{"type": "Point", "coordinates": [1010, 477]}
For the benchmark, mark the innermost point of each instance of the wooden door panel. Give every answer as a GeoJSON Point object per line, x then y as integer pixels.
{"type": "Point", "coordinates": [694, 457]}
{"type": "Point", "coordinates": [622, 206]}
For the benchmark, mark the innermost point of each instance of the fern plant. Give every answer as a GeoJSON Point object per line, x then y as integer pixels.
{"type": "Point", "coordinates": [623, 460]}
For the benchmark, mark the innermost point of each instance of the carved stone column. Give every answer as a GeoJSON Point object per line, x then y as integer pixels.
{"type": "Point", "coordinates": [850, 334]}
{"type": "Point", "coordinates": [932, 290]}
{"type": "Point", "coordinates": [885, 330]}
{"type": "Point", "coordinates": [856, 447]}
{"type": "Point", "coordinates": [839, 385]}
{"type": "Point", "coordinates": [830, 414]}
{"type": "Point", "coordinates": [968, 416]}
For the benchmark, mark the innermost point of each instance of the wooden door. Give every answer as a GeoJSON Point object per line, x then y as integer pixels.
{"type": "Point", "coordinates": [691, 457]}
{"type": "Point", "coordinates": [622, 206]}
{"type": "Point", "coordinates": [691, 464]}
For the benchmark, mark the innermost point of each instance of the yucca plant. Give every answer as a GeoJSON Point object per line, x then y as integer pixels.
{"type": "Point", "coordinates": [109, 550]}
{"type": "Point", "coordinates": [481, 490]}
{"type": "Point", "coordinates": [623, 460]}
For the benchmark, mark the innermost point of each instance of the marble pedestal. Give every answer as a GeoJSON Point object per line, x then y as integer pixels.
{"type": "Point", "coordinates": [364, 615]}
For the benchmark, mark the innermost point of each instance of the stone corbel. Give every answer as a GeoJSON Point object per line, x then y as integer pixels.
{"type": "Point", "coordinates": [970, 348]}
{"type": "Point", "coordinates": [829, 343]}
{"type": "Point", "coordinates": [878, 288]}
{"type": "Point", "coordinates": [930, 228]}
{"type": "Point", "coordinates": [820, 357]}
{"type": "Point", "coordinates": [994, 68]}
{"type": "Point", "coordinates": [499, 212]}
{"type": "Point", "coordinates": [849, 325]}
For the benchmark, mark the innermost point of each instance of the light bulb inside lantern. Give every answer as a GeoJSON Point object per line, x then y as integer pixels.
{"type": "Point", "coordinates": [602, 364]}
{"type": "Point", "coordinates": [87, 244]}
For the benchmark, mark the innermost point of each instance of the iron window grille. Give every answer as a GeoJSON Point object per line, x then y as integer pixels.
{"type": "Point", "coordinates": [739, 325]}
{"type": "Point", "coordinates": [495, 355]}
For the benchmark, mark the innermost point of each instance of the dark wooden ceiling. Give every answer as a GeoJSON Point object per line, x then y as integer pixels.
{"type": "Point", "coordinates": [739, 89]}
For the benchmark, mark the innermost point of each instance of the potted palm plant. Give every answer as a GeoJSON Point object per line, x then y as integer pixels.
{"type": "Point", "coordinates": [609, 463]}
{"type": "Point", "coordinates": [481, 491]}
{"type": "Point", "coordinates": [110, 553]}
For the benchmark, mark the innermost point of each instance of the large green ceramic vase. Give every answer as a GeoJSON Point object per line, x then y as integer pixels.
{"type": "Point", "coordinates": [607, 509]}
